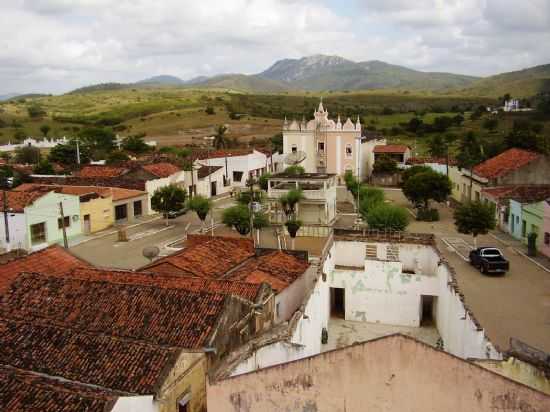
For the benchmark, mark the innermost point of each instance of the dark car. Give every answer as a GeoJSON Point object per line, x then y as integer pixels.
{"type": "Point", "coordinates": [175, 214]}
{"type": "Point", "coordinates": [489, 260]}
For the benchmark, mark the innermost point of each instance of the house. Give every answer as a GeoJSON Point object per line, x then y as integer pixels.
{"type": "Point", "coordinates": [545, 232]}
{"type": "Point", "coordinates": [392, 373]}
{"type": "Point", "coordinates": [398, 152]}
{"type": "Point", "coordinates": [210, 181]}
{"type": "Point", "coordinates": [100, 207]}
{"type": "Point", "coordinates": [35, 219]}
{"type": "Point", "coordinates": [134, 341]}
{"type": "Point", "coordinates": [329, 146]}
{"type": "Point", "coordinates": [238, 165]}
{"type": "Point", "coordinates": [511, 167]}
{"type": "Point", "coordinates": [507, 201]}
{"type": "Point", "coordinates": [533, 215]}
{"type": "Point", "coordinates": [317, 210]}
{"type": "Point", "coordinates": [53, 259]}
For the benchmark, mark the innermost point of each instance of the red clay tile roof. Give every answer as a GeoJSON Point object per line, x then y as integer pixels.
{"type": "Point", "coordinates": [521, 193]}
{"type": "Point", "coordinates": [162, 169]}
{"type": "Point", "coordinates": [209, 258]}
{"type": "Point", "coordinates": [28, 391]}
{"type": "Point", "coordinates": [101, 171]}
{"type": "Point", "coordinates": [390, 148]}
{"type": "Point", "coordinates": [18, 201]}
{"type": "Point", "coordinates": [105, 361]}
{"type": "Point", "coordinates": [215, 154]}
{"type": "Point", "coordinates": [171, 317]}
{"type": "Point", "coordinates": [438, 160]}
{"type": "Point", "coordinates": [65, 189]}
{"type": "Point", "coordinates": [53, 259]}
{"type": "Point", "coordinates": [504, 163]}
{"type": "Point", "coordinates": [278, 269]}
{"type": "Point", "coordinates": [122, 194]}
{"type": "Point", "coordinates": [245, 290]}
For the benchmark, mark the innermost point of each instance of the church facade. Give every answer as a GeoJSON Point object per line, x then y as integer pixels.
{"type": "Point", "coordinates": [329, 146]}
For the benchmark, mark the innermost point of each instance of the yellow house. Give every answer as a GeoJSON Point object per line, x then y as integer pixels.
{"type": "Point", "coordinates": [96, 204]}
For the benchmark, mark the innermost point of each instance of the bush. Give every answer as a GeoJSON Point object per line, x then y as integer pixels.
{"type": "Point", "coordinates": [387, 217]}
{"type": "Point", "coordinates": [369, 197]}
{"type": "Point", "coordinates": [210, 110]}
{"type": "Point", "coordinates": [427, 215]}
{"type": "Point", "coordinates": [295, 170]}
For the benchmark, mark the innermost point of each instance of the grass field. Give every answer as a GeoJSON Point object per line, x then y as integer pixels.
{"type": "Point", "coordinates": [177, 115]}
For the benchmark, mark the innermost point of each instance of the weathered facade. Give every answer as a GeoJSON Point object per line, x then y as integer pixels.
{"type": "Point", "coordinates": [395, 373]}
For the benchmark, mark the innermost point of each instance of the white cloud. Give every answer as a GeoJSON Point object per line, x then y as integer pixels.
{"type": "Point", "coordinates": [56, 45]}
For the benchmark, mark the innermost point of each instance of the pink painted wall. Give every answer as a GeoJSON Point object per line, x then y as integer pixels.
{"type": "Point", "coordinates": [395, 373]}
{"type": "Point", "coordinates": [545, 248]}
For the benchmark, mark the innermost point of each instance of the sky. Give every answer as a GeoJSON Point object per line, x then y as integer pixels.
{"type": "Point", "coordinates": [54, 46]}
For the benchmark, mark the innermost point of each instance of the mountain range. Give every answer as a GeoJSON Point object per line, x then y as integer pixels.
{"type": "Point", "coordinates": [334, 73]}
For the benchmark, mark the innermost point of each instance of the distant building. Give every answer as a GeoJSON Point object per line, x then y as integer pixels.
{"type": "Point", "coordinates": [330, 146]}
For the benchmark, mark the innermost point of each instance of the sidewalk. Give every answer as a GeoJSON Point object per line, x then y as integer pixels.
{"type": "Point", "coordinates": [540, 260]}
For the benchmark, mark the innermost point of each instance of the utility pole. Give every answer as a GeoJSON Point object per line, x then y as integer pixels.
{"type": "Point", "coordinates": [77, 152]}
{"type": "Point", "coordinates": [6, 224]}
{"type": "Point", "coordinates": [210, 139]}
{"type": "Point", "coordinates": [65, 242]}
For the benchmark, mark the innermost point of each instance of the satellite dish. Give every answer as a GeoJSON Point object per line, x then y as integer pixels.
{"type": "Point", "coordinates": [295, 158]}
{"type": "Point", "coordinates": [150, 252]}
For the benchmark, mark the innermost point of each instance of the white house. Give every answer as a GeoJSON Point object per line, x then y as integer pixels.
{"type": "Point", "coordinates": [34, 219]}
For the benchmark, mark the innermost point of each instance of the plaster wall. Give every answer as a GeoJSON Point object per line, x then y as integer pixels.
{"type": "Point", "coordinates": [533, 214]}
{"type": "Point", "coordinates": [101, 213]}
{"type": "Point", "coordinates": [305, 142]}
{"type": "Point", "coordinates": [17, 226]}
{"type": "Point", "coordinates": [289, 300]}
{"type": "Point", "coordinates": [394, 373]}
{"type": "Point", "coordinates": [254, 162]}
{"type": "Point", "coordinates": [515, 219]}
{"type": "Point", "coordinates": [135, 403]}
{"type": "Point", "coordinates": [545, 232]}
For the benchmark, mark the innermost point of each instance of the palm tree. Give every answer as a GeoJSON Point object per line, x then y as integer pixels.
{"type": "Point", "coordinates": [220, 141]}
{"type": "Point", "coordinates": [201, 206]}
{"type": "Point", "coordinates": [288, 202]}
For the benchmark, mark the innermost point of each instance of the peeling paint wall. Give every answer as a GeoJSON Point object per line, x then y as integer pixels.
{"type": "Point", "coordinates": [395, 373]}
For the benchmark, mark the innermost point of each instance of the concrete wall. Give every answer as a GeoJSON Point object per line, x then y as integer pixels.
{"type": "Point", "coordinates": [203, 185]}
{"type": "Point", "coordinates": [305, 142]}
{"type": "Point", "coordinates": [17, 225]}
{"type": "Point", "coordinates": [518, 371]}
{"type": "Point", "coordinates": [545, 232]}
{"type": "Point", "coordinates": [145, 201]}
{"type": "Point", "coordinates": [101, 213]}
{"type": "Point", "coordinates": [515, 216]}
{"type": "Point", "coordinates": [46, 210]}
{"type": "Point", "coordinates": [387, 290]}
{"type": "Point", "coordinates": [289, 300]}
{"type": "Point", "coordinates": [394, 373]}
{"type": "Point", "coordinates": [135, 403]}
{"type": "Point", "coordinates": [304, 341]}
{"type": "Point", "coordinates": [255, 162]}
{"type": "Point", "coordinates": [533, 214]}
{"type": "Point", "coordinates": [534, 173]}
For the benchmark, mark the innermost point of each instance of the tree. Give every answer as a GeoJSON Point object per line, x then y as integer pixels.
{"type": "Point", "coordinates": [19, 135]}
{"type": "Point", "coordinates": [293, 225]}
{"type": "Point", "coordinates": [45, 129]}
{"type": "Point", "coordinates": [437, 146]}
{"type": "Point", "coordinates": [385, 164]}
{"type": "Point", "coordinates": [116, 156]}
{"type": "Point", "coordinates": [442, 123]}
{"type": "Point", "coordinates": [414, 124]}
{"type": "Point", "coordinates": [210, 110]}
{"type": "Point", "coordinates": [294, 170]}
{"type": "Point", "coordinates": [523, 135]}
{"type": "Point", "coordinates": [411, 171]}
{"type": "Point", "coordinates": [458, 120]}
{"type": "Point", "coordinates": [425, 186]}
{"type": "Point", "coordinates": [220, 140]}
{"type": "Point", "coordinates": [98, 139]}
{"type": "Point", "coordinates": [475, 218]}
{"type": "Point", "coordinates": [44, 167]}
{"type": "Point", "coordinates": [387, 217]}
{"type": "Point", "coordinates": [201, 206]}
{"type": "Point", "coordinates": [135, 144]}
{"type": "Point", "coordinates": [289, 201]}
{"type": "Point", "coordinates": [369, 197]}
{"type": "Point", "coordinates": [28, 155]}
{"type": "Point", "coordinates": [237, 217]}
{"type": "Point", "coordinates": [490, 124]}
{"type": "Point", "coordinates": [65, 154]}
{"type": "Point", "coordinates": [263, 181]}
{"type": "Point", "coordinates": [352, 184]}
{"type": "Point", "coordinates": [168, 199]}
{"type": "Point", "coordinates": [259, 221]}
{"type": "Point", "coordinates": [35, 111]}
{"type": "Point", "coordinates": [470, 153]}
{"type": "Point", "coordinates": [277, 143]}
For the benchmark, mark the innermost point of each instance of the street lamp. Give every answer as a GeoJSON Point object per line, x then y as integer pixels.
{"type": "Point", "coordinates": [210, 139]}
{"type": "Point", "coordinates": [7, 183]}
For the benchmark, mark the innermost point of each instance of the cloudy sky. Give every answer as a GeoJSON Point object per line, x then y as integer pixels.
{"type": "Point", "coordinates": [57, 45]}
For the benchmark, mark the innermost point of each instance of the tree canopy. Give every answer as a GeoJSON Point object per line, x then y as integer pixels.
{"type": "Point", "coordinates": [168, 199]}
{"type": "Point", "coordinates": [28, 155]}
{"type": "Point", "coordinates": [474, 218]}
{"type": "Point", "coordinates": [44, 167]}
{"type": "Point", "coordinates": [237, 217]}
{"type": "Point", "coordinates": [295, 170]}
{"type": "Point", "coordinates": [387, 217]}
{"type": "Point", "coordinates": [65, 154]}
{"type": "Point", "coordinates": [425, 186]}
{"type": "Point", "coordinates": [200, 205]}
{"type": "Point", "coordinates": [135, 144]}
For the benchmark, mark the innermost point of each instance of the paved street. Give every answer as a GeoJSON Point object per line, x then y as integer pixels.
{"type": "Point", "coordinates": [515, 305]}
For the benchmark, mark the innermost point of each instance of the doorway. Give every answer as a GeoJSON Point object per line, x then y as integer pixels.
{"type": "Point", "coordinates": [427, 309]}
{"type": "Point", "coordinates": [213, 189]}
{"type": "Point", "coordinates": [338, 302]}
{"type": "Point", "coordinates": [121, 212]}
{"type": "Point", "coordinates": [87, 225]}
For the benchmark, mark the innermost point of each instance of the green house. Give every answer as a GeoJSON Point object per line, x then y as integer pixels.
{"type": "Point", "coordinates": [533, 215]}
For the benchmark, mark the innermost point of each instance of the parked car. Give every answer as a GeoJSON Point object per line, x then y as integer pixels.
{"type": "Point", "coordinates": [175, 214]}
{"type": "Point", "coordinates": [489, 260]}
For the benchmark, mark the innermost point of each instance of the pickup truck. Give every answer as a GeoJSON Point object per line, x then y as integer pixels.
{"type": "Point", "coordinates": [489, 260]}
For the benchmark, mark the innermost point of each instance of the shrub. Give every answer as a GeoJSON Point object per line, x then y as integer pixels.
{"type": "Point", "coordinates": [369, 197]}
{"type": "Point", "coordinates": [427, 215]}
{"type": "Point", "coordinates": [387, 217]}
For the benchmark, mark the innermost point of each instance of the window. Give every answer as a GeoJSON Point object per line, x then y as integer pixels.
{"type": "Point", "coordinates": [321, 147]}
{"type": "Point", "coordinates": [60, 222]}
{"type": "Point", "coordinates": [38, 233]}
{"type": "Point", "coordinates": [278, 309]}
{"type": "Point", "coordinates": [349, 150]}
{"type": "Point", "coordinates": [546, 238]}
{"type": "Point", "coordinates": [294, 148]}
{"type": "Point", "coordinates": [137, 208]}
{"type": "Point", "coordinates": [237, 176]}
{"type": "Point", "coordinates": [183, 403]}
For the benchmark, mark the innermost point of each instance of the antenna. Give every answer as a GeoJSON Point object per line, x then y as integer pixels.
{"type": "Point", "coordinates": [295, 158]}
